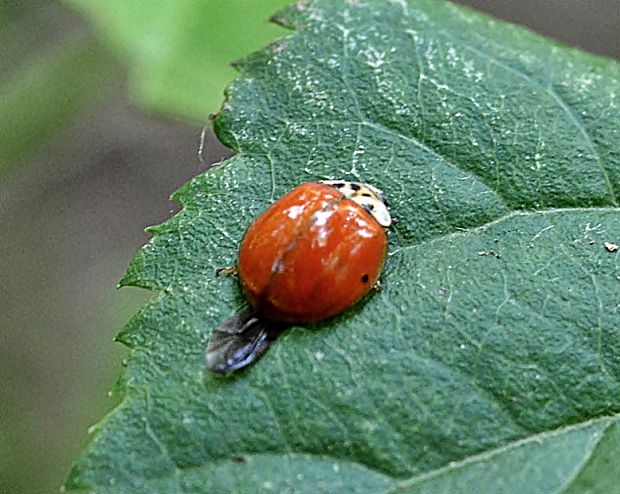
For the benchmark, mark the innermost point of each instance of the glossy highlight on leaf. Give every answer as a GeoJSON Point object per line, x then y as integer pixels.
{"type": "Point", "coordinates": [469, 372]}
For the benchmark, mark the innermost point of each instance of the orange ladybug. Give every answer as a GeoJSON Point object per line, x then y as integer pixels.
{"type": "Point", "coordinates": [310, 256]}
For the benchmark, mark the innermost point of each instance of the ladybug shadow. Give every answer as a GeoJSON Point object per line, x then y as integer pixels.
{"type": "Point", "coordinates": [240, 342]}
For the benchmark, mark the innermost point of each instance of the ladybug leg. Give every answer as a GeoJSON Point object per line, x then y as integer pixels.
{"type": "Point", "coordinates": [377, 286]}
{"type": "Point", "coordinates": [226, 272]}
{"type": "Point", "coordinates": [239, 341]}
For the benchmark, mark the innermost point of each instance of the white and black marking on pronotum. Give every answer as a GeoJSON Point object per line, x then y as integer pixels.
{"type": "Point", "coordinates": [369, 197]}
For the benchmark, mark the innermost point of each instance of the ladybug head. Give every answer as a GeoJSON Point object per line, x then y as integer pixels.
{"type": "Point", "coordinates": [367, 196]}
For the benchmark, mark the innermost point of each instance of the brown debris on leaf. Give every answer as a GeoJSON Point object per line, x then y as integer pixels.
{"type": "Point", "coordinates": [611, 247]}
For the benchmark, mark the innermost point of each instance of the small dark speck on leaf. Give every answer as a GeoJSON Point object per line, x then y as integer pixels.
{"type": "Point", "coordinates": [591, 242]}
{"type": "Point", "coordinates": [611, 247]}
{"type": "Point", "coordinates": [238, 459]}
{"type": "Point", "coordinates": [441, 292]}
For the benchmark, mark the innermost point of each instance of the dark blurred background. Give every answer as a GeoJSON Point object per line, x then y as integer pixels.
{"type": "Point", "coordinates": [74, 206]}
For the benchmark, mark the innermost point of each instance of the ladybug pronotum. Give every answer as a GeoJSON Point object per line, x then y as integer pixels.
{"type": "Point", "coordinates": [310, 256]}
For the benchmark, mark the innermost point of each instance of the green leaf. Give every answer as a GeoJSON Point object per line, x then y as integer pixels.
{"type": "Point", "coordinates": [490, 361]}
{"type": "Point", "coordinates": [179, 53]}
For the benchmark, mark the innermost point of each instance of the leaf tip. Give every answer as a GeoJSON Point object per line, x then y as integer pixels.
{"type": "Point", "coordinates": [287, 16]}
{"type": "Point", "coordinates": [125, 281]}
{"type": "Point", "coordinates": [120, 338]}
{"type": "Point", "coordinates": [124, 337]}
{"type": "Point", "coordinates": [154, 229]}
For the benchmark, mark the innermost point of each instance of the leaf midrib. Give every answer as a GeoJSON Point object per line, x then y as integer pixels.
{"type": "Point", "coordinates": [401, 484]}
{"type": "Point", "coordinates": [500, 219]}
{"type": "Point", "coordinates": [608, 420]}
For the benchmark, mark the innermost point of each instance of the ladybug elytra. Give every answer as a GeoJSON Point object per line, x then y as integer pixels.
{"type": "Point", "coordinates": [310, 256]}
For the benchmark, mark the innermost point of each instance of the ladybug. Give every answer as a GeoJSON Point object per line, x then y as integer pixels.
{"type": "Point", "coordinates": [311, 255]}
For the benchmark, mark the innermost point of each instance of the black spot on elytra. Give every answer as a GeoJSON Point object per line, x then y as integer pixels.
{"type": "Point", "coordinates": [365, 278]}
{"type": "Point", "coordinates": [356, 187]}
{"type": "Point", "coordinates": [338, 185]}
{"type": "Point", "coordinates": [366, 194]}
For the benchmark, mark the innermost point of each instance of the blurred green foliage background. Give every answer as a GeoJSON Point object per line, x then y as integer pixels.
{"type": "Point", "coordinates": [96, 104]}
